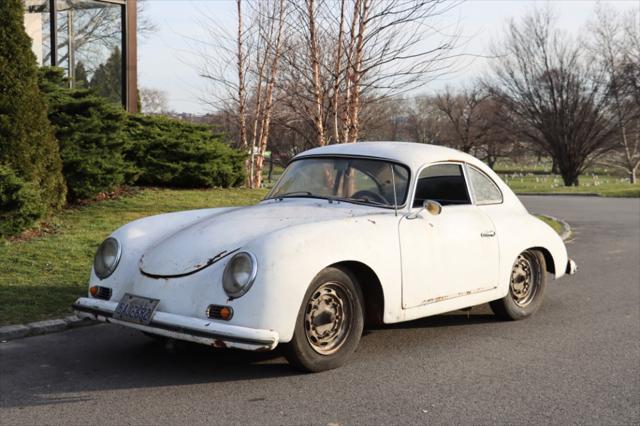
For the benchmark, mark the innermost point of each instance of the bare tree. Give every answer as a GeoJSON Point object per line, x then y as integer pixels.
{"type": "Point", "coordinates": [271, 28]}
{"type": "Point", "coordinates": [357, 52]}
{"type": "Point", "coordinates": [614, 43]}
{"type": "Point", "coordinates": [498, 140]}
{"type": "Point", "coordinates": [553, 95]}
{"type": "Point", "coordinates": [153, 101]}
{"type": "Point", "coordinates": [462, 113]}
{"type": "Point", "coordinates": [243, 69]}
{"type": "Point", "coordinates": [386, 54]}
{"type": "Point", "coordinates": [424, 120]}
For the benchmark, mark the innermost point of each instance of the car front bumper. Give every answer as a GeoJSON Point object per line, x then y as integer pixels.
{"type": "Point", "coordinates": [181, 327]}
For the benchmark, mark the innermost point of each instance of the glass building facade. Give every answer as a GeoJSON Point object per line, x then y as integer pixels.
{"type": "Point", "coordinates": [94, 41]}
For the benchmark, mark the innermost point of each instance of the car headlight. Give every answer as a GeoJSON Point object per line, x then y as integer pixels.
{"type": "Point", "coordinates": [239, 274]}
{"type": "Point", "coordinates": [107, 258]}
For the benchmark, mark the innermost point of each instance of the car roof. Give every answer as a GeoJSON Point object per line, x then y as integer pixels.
{"type": "Point", "coordinates": [412, 154]}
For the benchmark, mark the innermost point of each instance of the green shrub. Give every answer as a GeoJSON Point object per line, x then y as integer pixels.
{"type": "Point", "coordinates": [20, 203]}
{"type": "Point", "coordinates": [90, 131]}
{"type": "Point", "coordinates": [27, 143]}
{"type": "Point", "coordinates": [174, 153]}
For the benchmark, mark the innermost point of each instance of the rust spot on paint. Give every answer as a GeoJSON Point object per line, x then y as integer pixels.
{"type": "Point", "coordinates": [214, 258]}
{"type": "Point", "coordinates": [219, 344]}
{"type": "Point", "coordinates": [372, 221]}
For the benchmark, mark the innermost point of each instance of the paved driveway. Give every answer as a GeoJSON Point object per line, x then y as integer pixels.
{"type": "Point", "coordinates": [577, 361]}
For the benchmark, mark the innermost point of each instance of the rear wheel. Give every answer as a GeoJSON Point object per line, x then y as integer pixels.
{"type": "Point", "coordinates": [329, 324]}
{"type": "Point", "coordinates": [526, 287]}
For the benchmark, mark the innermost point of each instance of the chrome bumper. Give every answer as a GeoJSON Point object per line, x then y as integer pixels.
{"type": "Point", "coordinates": [572, 267]}
{"type": "Point", "coordinates": [180, 327]}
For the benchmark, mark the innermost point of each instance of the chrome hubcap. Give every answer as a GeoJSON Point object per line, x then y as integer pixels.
{"type": "Point", "coordinates": [524, 279]}
{"type": "Point", "coordinates": [327, 318]}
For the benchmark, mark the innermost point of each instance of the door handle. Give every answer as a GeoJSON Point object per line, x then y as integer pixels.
{"type": "Point", "coordinates": [488, 234]}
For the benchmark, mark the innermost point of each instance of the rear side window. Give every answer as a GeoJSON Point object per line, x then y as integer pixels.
{"type": "Point", "coordinates": [484, 189]}
{"type": "Point", "coordinates": [443, 183]}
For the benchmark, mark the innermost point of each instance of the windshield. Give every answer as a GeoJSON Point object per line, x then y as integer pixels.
{"type": "Point", "coordinates": [350, 179]}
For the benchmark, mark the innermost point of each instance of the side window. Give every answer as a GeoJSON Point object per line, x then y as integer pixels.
{"type": "Point", "coordinates": [443, 183]}
{"type": "Point", "coordinates": [484, 189]}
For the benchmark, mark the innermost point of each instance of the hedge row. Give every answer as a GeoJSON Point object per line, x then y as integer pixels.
{"type": "Point", "coordinates": [102, 147]}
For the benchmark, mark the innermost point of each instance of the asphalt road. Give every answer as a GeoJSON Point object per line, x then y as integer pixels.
{"type": "Point", "coordinates": [576, 361]}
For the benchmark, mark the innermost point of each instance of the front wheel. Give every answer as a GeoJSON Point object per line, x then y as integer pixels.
{"type": "Point", "coordinates": [526, 287]}
{"type": "Point", "coordinates": [329, 324]}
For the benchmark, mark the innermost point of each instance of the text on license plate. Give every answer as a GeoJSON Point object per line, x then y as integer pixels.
{"type": "Point", "coordinates": [135, 309]}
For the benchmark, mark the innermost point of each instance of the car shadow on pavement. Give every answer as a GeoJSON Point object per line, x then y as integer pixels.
{"type": "Point", "coordinates": [118, 359]}
{"type": "Point", "coordinates": [107, 358]}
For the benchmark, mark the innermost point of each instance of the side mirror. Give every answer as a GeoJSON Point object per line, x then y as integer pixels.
{"type": "Point", "coordinates": [433, 207]}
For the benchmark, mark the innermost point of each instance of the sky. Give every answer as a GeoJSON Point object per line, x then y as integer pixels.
{"type": "Point", "coordinates": [168, 58]}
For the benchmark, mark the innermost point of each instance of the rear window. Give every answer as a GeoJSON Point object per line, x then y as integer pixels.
{"type": "Point", "coordinates": [484, 188]}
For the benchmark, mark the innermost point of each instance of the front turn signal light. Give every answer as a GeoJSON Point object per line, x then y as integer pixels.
{"type": "Point", "coordinates": [220, 312]}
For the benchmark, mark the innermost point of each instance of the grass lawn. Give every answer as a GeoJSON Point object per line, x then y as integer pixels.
{"type": "Point", "coordinates": [531, 176]}
{"type": "Point", "coordinates": [603, 185]}
{"type": "Point", "coordinates": [557, 226]}
{"type": "Point", "coordinates": [41, 277]}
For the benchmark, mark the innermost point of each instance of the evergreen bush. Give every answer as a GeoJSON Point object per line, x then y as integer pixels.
{"type": "Point", "coordinates": [169, 152]}
{"type": "Point", "coordinates": [20, 203]}
{"type": "Point", "coordinates": [28, 149]}
{"type": "Point", "coordinates": [90, 131]}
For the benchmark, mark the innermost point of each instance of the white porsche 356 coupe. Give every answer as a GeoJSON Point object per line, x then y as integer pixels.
{"type": "Point", "coordinates": [366, 232]}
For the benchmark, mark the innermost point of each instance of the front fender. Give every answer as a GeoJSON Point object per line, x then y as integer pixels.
{"type": "Point", "coordinates": [290, 258]}
{"type": "Point", "coordinates": [518, 232]}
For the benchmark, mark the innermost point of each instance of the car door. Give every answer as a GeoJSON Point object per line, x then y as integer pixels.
{"type": "Point", "coordinates": [449, 255]}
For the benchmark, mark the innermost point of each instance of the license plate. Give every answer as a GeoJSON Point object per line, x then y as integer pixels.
{"type": "Point", "coordinates": [136, 309]}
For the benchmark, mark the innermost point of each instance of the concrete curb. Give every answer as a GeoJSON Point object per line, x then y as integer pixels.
{"type": "Point", "coordinates": [567, 232]}
{"type": "Point", "coordinates": [11, 332]}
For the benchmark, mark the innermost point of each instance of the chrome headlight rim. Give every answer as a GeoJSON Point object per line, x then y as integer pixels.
{"type": "Point", "coordinates": [227, 276]}
{"type": "Point", "coordinates": [110, 270]}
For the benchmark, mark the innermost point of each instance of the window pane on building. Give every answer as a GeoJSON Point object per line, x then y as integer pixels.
{"type": "Point", "coordinates": [90, 45]}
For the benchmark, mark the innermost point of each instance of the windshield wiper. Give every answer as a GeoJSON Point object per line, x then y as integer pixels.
{"type": "Point", "coordinates": [364, 200]}
{"type": "Point", "coordinates": [292, 194]}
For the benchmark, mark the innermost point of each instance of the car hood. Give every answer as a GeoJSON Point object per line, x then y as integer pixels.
{"type": "Point", "coordinates": [220, 234]}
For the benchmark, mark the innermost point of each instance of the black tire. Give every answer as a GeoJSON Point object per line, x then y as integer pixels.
{"type": "Point", "coordinates": [329, 323]}
{"type": "Point", "coordinates": [527, 284]}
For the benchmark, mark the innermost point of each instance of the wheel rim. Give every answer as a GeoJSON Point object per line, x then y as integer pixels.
{"type": "Point", "coordinates": [525, 279]}
{"type": "Point", "coordinates": [328, 317]}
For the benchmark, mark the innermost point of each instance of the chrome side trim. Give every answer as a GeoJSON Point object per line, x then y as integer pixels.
{"type": "Point", "coordinates": [456, 295]}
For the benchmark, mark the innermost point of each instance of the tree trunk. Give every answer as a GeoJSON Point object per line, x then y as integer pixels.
{"type": "Point", "coordinates": [338, 72]}
{"type": "Point", "coordinates": [314, 58]}
{"type": "Point", "coordinates": [570, 177]}
{"type": "Point", "coordinates": [491, 161]}
{"type": "Point", "coordinates": [632, 176]}
{"type": "Point", "coordinates": [242, 121]}
{"type": "Point", "coordinates": [268, 105]}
